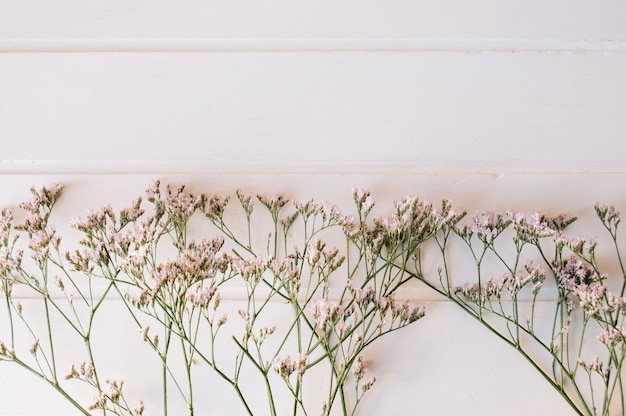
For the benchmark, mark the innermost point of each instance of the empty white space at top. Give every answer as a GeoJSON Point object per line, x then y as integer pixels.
{"type": "Point", "coordinates": [463, 19]}
{"type": "Point", "coordinates": [446, 101]}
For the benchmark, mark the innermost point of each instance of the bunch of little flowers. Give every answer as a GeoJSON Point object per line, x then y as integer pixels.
{"type": "Point", "coordinates": [38, 209]}
{"type": "Point", "coordinates": [177, 204]}
{"type": "Point", "coordinates": [113, 401]}
{"type": "Point", "coordinates": [99, 242]}
{"type": "Point", "coordinates": [364, 202]}
{"type": "Point", "coordinates": [41, 236]}
{"type": "Point", "coordinates": [359, 374]}
{"type": "Point", "coordinates": [107, 239]}
{"type": "Point", "coordinates": [251, 269]}
{"type": "Point", "coordinates": [140, 236]}
{"type": "Point", "coordinates": [609, 216]}
{"type": "Point", "coordinates": [285, 366]}
{"type": "Point", "coordinates": [10, 258]}
{"type": "Point", "coordinates": [529, 229]}
{"type": "Point", "coordinates": [357, 230]}
{"type": "Point", "coordinates": [325, 260]}
{"type": "Point", "coordinates": [581, 279]}
{"type": "Point", "coordinates": [287, 272]}
{"type": "Point", "coordinates": [492, 289]}
{"type": "Point", "coordinates": [487, 226]}
{"type": "Point", "coordinates": [480, 293]}
{"type": "Point", "coordinates": [330, 215]}
{"type": "Point", "coordinates": [273, 203]}
{"type": "Point", "coordinates": [582, 247]}
{"type": "Point", "coordinates": [371, 305]}
{"type": "Point", "coordinates": [413, 222]}
{"type": "Point", "coordinates": [403, 313]}
{"type": "Point", "coordinates": [574, 272]}
{"type": "Point", "coordinates": [327, 313]}
{"type": "Point", "coordinates": [613, 337]}
{"type": "Point", "coordinates": [595, 366]}
{"type": "Point", "coordinates": [183, 276]}
{"type": "Point", "coordinates": [535, 275]}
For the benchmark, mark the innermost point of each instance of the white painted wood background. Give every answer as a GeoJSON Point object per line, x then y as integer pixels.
{"type": "Point", "coordinates": [494, 104]}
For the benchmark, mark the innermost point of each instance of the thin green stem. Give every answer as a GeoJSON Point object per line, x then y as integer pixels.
{"type": "Point", "coordinates": [54, 385]}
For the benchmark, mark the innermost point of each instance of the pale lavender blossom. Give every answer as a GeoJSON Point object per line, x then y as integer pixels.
{"type": "Point", "coordinates": [34, 347]}
{"type": "Point", "coordinates": [252, 268]}
{"type": "Point", "coordinates": [359, 368]}
{"type": "Point", "coordinates": [9, 261]}
{"type": "Point", "coordinates": [364, 296]}
{"type": "Point", "coordinates": [246, 202]}
{"type": "Point", "coordinates": [6, 224]}
{"type": "Point", "coordinates": [363, 200]}
{"type": "Point", "coordinates": [535, 274]}
{"type": "Point", "coordinates": [307, 208]}
{"type": "Point", "coordinates": [142, 299]}
{"type": "Point", "coordinates": [200, 296]}
{"type": "Point", "coordinates": [264, 332]}
{"type": "Point", "coordinates": [286, 366]}
{"type": "Point", "coordinates": [325, 313]}
{"type": "Point", "coordinates": [365, 386]}
{"type": "Point", "coordinates": [614, 303]}
{"type": "Point", "coordinates": [590, 296]}
{"type": "Point", "coordinates": [222, 320]}
{"type": "Point", "coordinates": [609, 215]}
{"type": "Point", "coordinates": [406, 313]}
{"type": "Point", "coordinates": [40, 242]}
{"type": "Point", "coordinates": [314, 252]}
{"type": "Point", "coordinates": [448, 215]}
{"type": "Point", "coordinates": [215, 206]}
{"type": "Point", "coordinates": [344, 327]}
{"type": "Point", "coordinates": [489, 225]}
{"type": "Point", "coordinates": [131, 214]}
{"type": "Point", "coordinates": [612, 336]}
{"type": "Point", "coordinates": [529, 229]}
{"type": "Point", "coordinates": [574, 272]}
{"type": "Point", "coordinates": [333, 215]}
{"type": "Point", "coordinates": [144, 331]}
{"type": "Point", "coordinates": [273, 203]}
{"type": "Point", "coordinates": [596, 366]}
{"type": "Point", "coordinates": [153, 192]}
{"type": "Point", "coordinates": [99, 402]}
{"type": "Point", "coordinates": [86, 371]}
{"type": "Point", "coordinates": [289, 220]}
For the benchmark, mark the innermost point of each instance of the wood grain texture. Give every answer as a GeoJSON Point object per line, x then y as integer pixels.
{"type": "Point", "coordinates": [532, 19]}
{"type": "Point", "coordinates": [392, 107]}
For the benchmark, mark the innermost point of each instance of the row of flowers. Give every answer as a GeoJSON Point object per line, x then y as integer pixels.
{"type": "Point", "coordinates": [339, 300]}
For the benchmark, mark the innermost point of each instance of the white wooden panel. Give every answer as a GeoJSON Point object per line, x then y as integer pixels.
{"type": "Point", "coordinates": [531, 19]}
{"type": "Point", "coordinates": [346, 107]}
{"type": "Point", "coordinates": [494, 104]}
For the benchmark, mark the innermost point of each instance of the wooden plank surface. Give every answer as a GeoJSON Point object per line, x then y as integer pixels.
{"type": "Point", "coordinates": [391, 107]}
{"type": "Point", "coordinates": [478, 19]}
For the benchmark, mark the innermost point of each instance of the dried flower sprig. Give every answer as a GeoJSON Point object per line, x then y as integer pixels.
{"type": "Point", "coordinates": [172, 286]}
{"type": "Point", "coordinates": [44, 274]}
{"type": "Point", "coordinates": [561, 278]}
